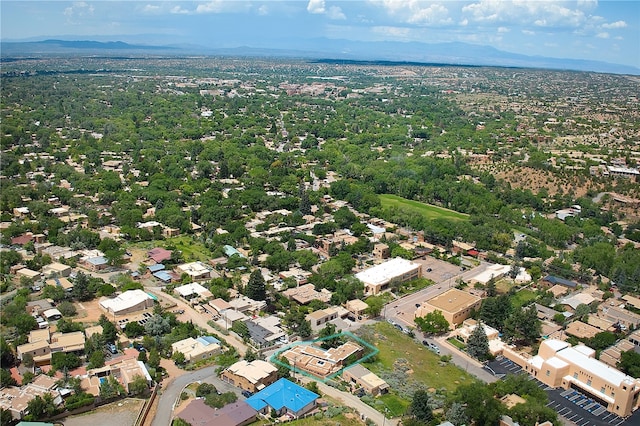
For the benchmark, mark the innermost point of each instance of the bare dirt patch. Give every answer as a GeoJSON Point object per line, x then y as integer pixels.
{"type": "Point", "coordinates": [88, 312]}
{"type": "Point", "coordinates": [121, 413]}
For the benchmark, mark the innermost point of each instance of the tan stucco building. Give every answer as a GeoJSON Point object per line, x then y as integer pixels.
{"type": "Point", "coordinates": [455, 305]}
{"type": "Point", "coordinates": [558, 364]}
{"type": "Point", "coordinates": [251, 376]}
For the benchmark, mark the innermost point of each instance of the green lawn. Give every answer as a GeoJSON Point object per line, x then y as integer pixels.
{"type": "Point", "coordinates": [425, 364]}
{"type": "Point", "coordinates": [522, 297]}
{"type": "Point", "coordinates": [191, 249]}
{"type": "Point", "coordinates": [340, 419]}
{"type": "Point", "coordinates": [429, 211]}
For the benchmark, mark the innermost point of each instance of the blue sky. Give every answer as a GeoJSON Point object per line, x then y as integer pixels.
{"type": "Point", "coordinates": [578, 29]}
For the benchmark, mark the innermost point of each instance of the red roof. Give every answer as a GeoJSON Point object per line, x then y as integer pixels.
{"type": "Point", "coordinates": [473, 252]}
{"type": "Point", "coordinates": [22, 239]}
{"type": "Point", "coordinates": [159, 254]}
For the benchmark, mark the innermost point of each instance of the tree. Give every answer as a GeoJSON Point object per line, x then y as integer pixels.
{"type": "Point", "coordinates": [67, 308]}
{"type": "Point", "coordinates": [420, 408]}
{"type": "Point", "coordinates": [375, 305]}
{"type": "Point", "coordinates": [154, 358]}
{"type": "Point", "coordinates": [241, 329]}
{"type": "Point", "coordinates": [6, 379]}
{"type": "Point", "coordinates": [179, 358]}
{"type": "Point", "coordinates": [40, 407]}
{"type": "Point", "coordinates": [157, 325]}
{"type": "Point", "coordinates": [630, 363]}
{"type": "Point", "coordinates": [456, 414]}
{"type": "Point", "coordinates": [138, 385]}
{"type": "Point", "coordinates": [433, 323]}
{"type": "Point", "coordinates": [523, 326]}
{"type": "Point", "coordinates": [582, 312]}
{"type": "Point", "coordinates": [478, 344]}
{"type": "Point", "coordinates": [81, 289]}
{"type": "Point", "coordinates": [109, 332]}
{"type": "Point", "coordinates": [602, 340]}
{"type": "Point", "coordinates": [481, 407]}
{"type": "Point", "coordinates": [250, 355]}
{"type": "Point", "coordinates": [284, 368]}
{"type": "Point", "coordinates": [96, 359]}
{"type": "Point", "coordinates": [256, 287]}
{"type": "Point", "coordinates": [133, 329]}
{"type": "Point", "coordinates": [7, 358]}
{"type": "Point", "coordinates": [6, 418]}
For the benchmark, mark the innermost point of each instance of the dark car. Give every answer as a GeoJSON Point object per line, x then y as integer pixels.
{"type": "Point", "coordinates": [246, 393]}
{"type": "Point", "coordinates": [424, 342]}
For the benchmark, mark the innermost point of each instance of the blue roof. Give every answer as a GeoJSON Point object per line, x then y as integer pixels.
{"type": "Point", "coordinates": [562, 281]}
{"type": "Point", "coordinates": [282, 394]}
{"type": "Point", "coordinates": [230, 251]}
{"type": "Point", "coordinates": [208, 340]}
{"type": "Point", "coordinates": [155, 268]}
{"type": "Point", "coordinates": [162, 275]}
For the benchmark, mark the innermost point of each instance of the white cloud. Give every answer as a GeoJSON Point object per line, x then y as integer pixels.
{"type": "Point", "coordinates": [263, 10]}
{"type": "Point", "coordinates": [418, 12]}
{"type": "Point", "coordinates": [503, 30]}
{"type": "Point", "coordinates": [528, 32]}
{"type": "Point", "coordinates": [316, 7]}
{"type": "Point", "coordinates": [615, 25]}
{"type": "Point", "coordinates": [603, 35]}
{"type": "Point", "coordinates": [179, 10]}
{"type": "Point", "coordinates": [336, 13]}
{"type": "Point", "coordinates": [464, 22]}
{"type": "Point", "coordinates": [549, 13]}
{"type": "Point", "coordinates": [79, 8]}
{"type": "Point", "coordinates": [150, 8]}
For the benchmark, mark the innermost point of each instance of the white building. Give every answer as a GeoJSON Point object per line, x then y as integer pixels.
{"type": "Point", "coordinates": [127, 302]}
{"type": "Point", "coordinates": [380, 277]}
{"type": "Point", "coordinates": [197, 349]}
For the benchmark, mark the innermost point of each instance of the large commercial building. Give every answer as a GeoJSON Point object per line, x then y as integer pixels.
{"type": "Point", "coordinates": [558, 364]}
{"type": "Point", "coordinates": [380, 277]}
{"type": "Point", "coordinates": [456, 306]}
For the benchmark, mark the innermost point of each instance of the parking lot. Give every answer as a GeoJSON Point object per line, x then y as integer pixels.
{"type": "Point", "coordinates": [579, 408]}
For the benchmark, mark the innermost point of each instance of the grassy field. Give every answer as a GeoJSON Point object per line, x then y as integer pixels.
{"type": "Point", "coordinates": [429, 211]}
{"type": "Point", "coordinates": [342, 420]}
{"type": "Point", "coordinates": [523, 297]}
{"type": "Point", "coordinates": [425, 365]}
{"type": "Point", "coordinates": [191, 249]}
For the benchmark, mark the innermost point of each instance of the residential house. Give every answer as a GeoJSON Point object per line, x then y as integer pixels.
{"type": "Point", "coordinates": [251, 376]}
{"type": "Point", "coordinates": [321, 362]}
{"type": "Point", "coordinates": [284, 397]}
{"type": "Point", "coordinates": [127, 302]}
{"type": "Point", "coordinates": [197, 349]}
{"type": "Point", "coordinates": [322, 316]}
{"type": "Point", "coordinates": [360, 377]}
{"type": "Point", "coordinates": [237, 413]}
{"type": "Point", "coordinates": [304, 294]}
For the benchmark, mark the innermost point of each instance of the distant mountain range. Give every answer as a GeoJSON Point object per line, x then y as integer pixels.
{"type": "Point", "coordinates": [321, 48]}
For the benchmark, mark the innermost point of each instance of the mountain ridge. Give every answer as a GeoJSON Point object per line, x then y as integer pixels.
{"type": "Point", "coordinates": [448, 53]}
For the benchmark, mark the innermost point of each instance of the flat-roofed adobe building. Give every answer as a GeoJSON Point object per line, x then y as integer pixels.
{"type": "Point", "coordinates": [128, 302]}
{"type": "Point", "coordinates": [558, 364]}
{"type": "Point", "coordinates": [250, 376]}
{"type": "Point", "coordinates": [456, 306]}
{"type": "Point", "coordinates": [361, 377]}
{"type": "Point", "coordinates": [380, 277]}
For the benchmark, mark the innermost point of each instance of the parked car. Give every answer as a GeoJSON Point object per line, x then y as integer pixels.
{"type": "Point", "coordinates": [112, 348]}
{"type": "Point", "coordinates": [246, 393]}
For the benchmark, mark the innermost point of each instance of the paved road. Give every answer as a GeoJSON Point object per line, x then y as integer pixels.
{"type": "Point", "coordinates": [198, 319]}
{"type": "Point", "coordinates": [401, 311]}
{"type": "Point", "coordinates": [354, 402]}
{"type": "Point", "coordinates": [171, 394]}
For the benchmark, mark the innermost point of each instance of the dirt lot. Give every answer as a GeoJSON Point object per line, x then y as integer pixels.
{"type": "Point", "coordinates": [88, 312]}
{"type": "Point", "coordinates": [121, 413]}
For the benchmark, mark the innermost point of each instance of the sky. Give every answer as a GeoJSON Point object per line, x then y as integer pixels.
{"type": "Point", "coordinates": [599, 30]}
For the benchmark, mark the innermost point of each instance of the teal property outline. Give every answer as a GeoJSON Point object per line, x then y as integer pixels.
{"type": "Point", "coordinates": [373, 352]}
